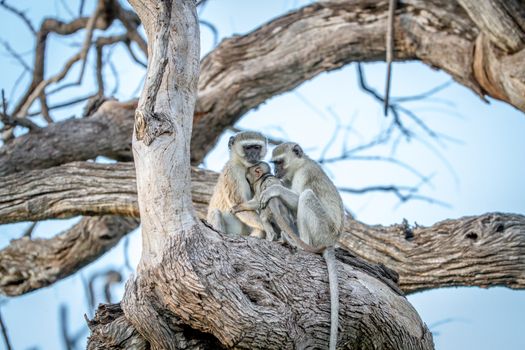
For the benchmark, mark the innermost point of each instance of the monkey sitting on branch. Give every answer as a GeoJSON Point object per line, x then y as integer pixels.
{"type": "Point", "coordinates": [246, 149]}
{"type": "Point", "coordinates": [275, 214]}
{"type": "Point", "coordinates": [319, 208]}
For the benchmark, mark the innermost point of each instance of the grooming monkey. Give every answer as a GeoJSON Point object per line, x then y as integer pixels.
{"type": "Point", "coordinates": [319, 208]}
{"type": "Point", "coordinates": [260, 178]}
{"type": "Point", "coordinates": [246, 149]}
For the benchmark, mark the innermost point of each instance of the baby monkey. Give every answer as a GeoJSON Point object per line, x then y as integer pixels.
{"type": "Point", "coordinates": [275, 214]}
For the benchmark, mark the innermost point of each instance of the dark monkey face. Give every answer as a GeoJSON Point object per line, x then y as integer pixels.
{"type": "Point", "coordinates": [278, 166]}
{"type": "Point", "coordinates": [252, 152]}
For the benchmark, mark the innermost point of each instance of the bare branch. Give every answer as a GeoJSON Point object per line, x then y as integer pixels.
{"type": "Point", "coordinates": [20, 14]}
{"type": "Point", "coordinates": [43, 84]}
{"type": "Point", "coordinates": [90, 26]}
{"type": "Point", "coordinates": [131, 22]}
{"type": "Point", "coordinates": [28, 232]}
{"type": "Point", "coordinates": [16, 56]}
{"type": "Point", "coordinates": [4, 332]}
{"type": "Point", "coordinates": [403, 193]}
{"type": "Point", "coordinates": [26, 264]}
{"type": "Point", "coordinates": [389, 52]}
{"type": "Point", "coordinates": [63, 104]}
{"type": "Point", "coordinates": [213, 30]}
{"type": "Point", "coordinates": [63, 317]}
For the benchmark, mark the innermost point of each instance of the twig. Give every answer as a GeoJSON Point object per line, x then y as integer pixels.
{"type": "Point", "coordinates": [68, 10]}
{"type": "Point", "coordinates": [112, 277]}
{"type": "Point", "coordinates": [375, 94]}
{"type": "Point", "coordinates": [81, 8]}
{"type": "Point", "coordinates": [63, 315]}
{"type": "Point", "coordinates": [389, 52]}
{"type": "Point", "coordinates": [131, 23]}
{"type": "Point", "coordinates": [127, 262]}
{"type": "Point", "coordinates": [403, 193]}
{"type": "Point", "coordinates": [43, 84]}
{"type": "Point", "coordinates": [213, 30]}
{"type": "Point", "coordinates": [20, 14]}
{"type": "Point", "coordinates": [90, 26]}
{"type": "Point", "coordinates": [29, 231]}
{"type": "Point", "coordinates": [4, 333]}
{"type": "Point", "coordinates": [133, 56]}
{"type": "Point", "coordinates": [16, 56]}
{"type": "Point", "coordinates": [11, 122]}
{"type": "Point", "coordinates": [425, 94]}
{"type": "Point", "coordinates": [63, 104]}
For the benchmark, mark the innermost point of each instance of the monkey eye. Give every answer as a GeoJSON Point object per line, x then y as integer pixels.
{"type": "Point", "coordinates": [277, 162]}
{"type": "Point", "coordinates": [253, 147]}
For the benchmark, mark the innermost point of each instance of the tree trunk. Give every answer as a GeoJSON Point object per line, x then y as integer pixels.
{"type": "Point", "coordinates": [241, 293]}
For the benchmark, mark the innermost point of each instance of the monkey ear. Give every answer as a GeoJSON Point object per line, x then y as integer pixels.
{"type": "Point", "coordinates": [230, 142]}
{"type": "Point", "coordinates": [298, 151]}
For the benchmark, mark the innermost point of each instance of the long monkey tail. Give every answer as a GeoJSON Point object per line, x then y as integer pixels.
{"type": "Point", "coordinates": [329, 257]}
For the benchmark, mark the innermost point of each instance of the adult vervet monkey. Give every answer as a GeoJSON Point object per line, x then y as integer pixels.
{"type": "Point", "coordinates": [246, 149]}
{"type": "Point", "coordinates": [276, 214]}
{"type": "Point", "coordinates": [319, 209]}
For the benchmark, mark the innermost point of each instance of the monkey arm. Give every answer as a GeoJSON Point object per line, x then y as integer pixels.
{"type": "Point", "coordinates": [250, 219]}
{"type": "Point", "coordinates": [289, 197]}
{"type": "Point", "coordinates": [251, 205]}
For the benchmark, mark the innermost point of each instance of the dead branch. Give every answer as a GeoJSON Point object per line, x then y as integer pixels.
{"type": "Point", "coordinates": [470, 238]}
{"type": "Point", "coordinates": [26, 264]}
{"type": "Point", "coordinates": [20, 14]}
{"type": "Point", "coordinates": [5, 335]}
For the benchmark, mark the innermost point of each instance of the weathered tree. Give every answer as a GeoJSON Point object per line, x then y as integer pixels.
{"type": "Point", "coordinates": [195, 288]}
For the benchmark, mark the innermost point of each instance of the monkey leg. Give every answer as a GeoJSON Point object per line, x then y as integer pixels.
{"type": "Point", "coordinates": [216, 221]}
{"type": "Point", "coordinates": [271, 235]}
{"type": "Point", "coordinates": [312, 221]}
{"type": "Point", "coordinates": [256, 233]}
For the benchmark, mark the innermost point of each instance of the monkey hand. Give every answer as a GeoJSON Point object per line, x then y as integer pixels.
{"type": "Point", "coordinates": [267, 194]}
{"type": "Point", "coordinates": [235, 209]}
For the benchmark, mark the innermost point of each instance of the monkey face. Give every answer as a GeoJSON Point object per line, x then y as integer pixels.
{"type": "Point", "coordinates": [279, 167]}
{"type": "Point", "coordinates": [255, 172]}
{"type": "Point", "coordinates": [252, 152]}
{"type": "Point", "coordinates": [287, 158]}
{"type": "Point", "coordinates": [247, 147]}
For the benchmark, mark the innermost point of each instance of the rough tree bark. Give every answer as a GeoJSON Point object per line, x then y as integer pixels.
{"type": "Point", "coordinates": [243, 293]}
{"type": "Point", "coordinates": [484, 251]}
{"type": "Point", "coordinates": [244, 71]}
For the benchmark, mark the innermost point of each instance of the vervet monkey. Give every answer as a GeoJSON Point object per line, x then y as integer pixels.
{"type": "Point", "coordinates": [319, 208]}
{"type": "Point", "coordinates": [276, 213]}
{"type": "Point", "coordinates": [246, 149]}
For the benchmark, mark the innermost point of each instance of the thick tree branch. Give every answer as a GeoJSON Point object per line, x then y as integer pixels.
{"type": "Point", "coordinates": [241, 73]}
{"type": "Point", "coordinates": [107, 132]}
{"type": "Point", "coordinates": [29, 264]}
{"type": "Point", "coordinates": [84, 188]}
{"type": "Point", "coordinates": [468, 249]}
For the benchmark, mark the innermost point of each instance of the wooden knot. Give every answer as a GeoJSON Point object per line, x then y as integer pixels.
{"type": "Point", "coordinates": [150, 125]}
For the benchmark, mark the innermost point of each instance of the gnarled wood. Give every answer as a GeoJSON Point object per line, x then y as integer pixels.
{"type": "Point", "coordinates": [84, 188]}
{"type": "Point", "coordinates": [244, 71]}
{"type": "Point", "coordinates": [461, 245]}
{"type": "Point", "coordinates": [484, 251]}
{"type": "Point", "coordinates": [29, 264]}
{"type": "Point", "coordinates": [232, 289]}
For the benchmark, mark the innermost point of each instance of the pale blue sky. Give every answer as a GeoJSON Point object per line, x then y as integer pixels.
{"type": "Point", "coordinates": [488, 170]}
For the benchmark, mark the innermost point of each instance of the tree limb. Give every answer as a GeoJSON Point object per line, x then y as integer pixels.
{"type": "Point", "coordinates": [240, 74]}
{"type": "Point", "coordinates": [467, 249]}
{"type": "Point", "coordinates": [29, 264]}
